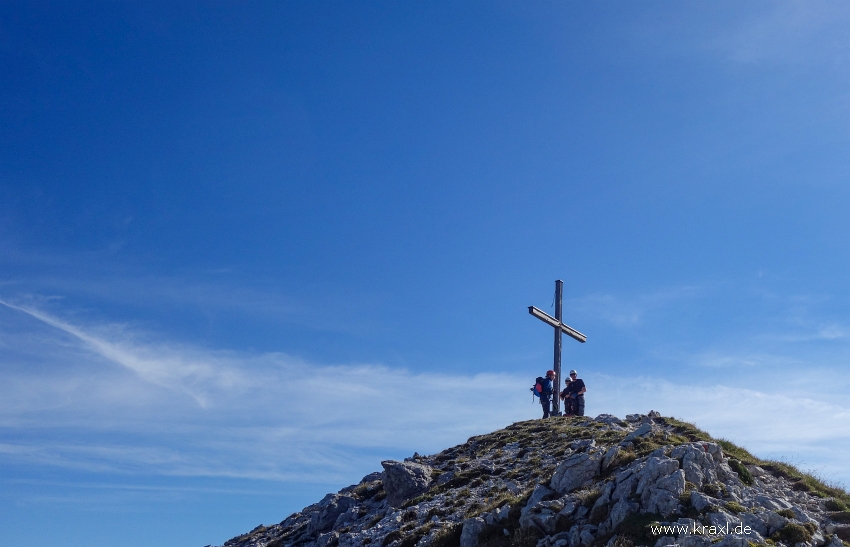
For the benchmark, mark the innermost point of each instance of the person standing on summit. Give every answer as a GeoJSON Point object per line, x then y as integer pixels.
{"type": "Point", "coordinates": [576, 393]}
{"type": "Point", "coordinates": [546, 388]}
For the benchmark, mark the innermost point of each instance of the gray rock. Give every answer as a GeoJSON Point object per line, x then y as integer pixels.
{"type": "Point", "coordinates": [663, 496]}
{"type": "Point", "coordinates": [372, 477]}
{"type": "Point", "coordinates": [610, 455]}
{"type": "Point", "coordinates": [324, 540]}
{"type": "Point", "coordinates": [582, 534]}
{"type": "Point", "coordinates": [697, 463]}
{"type": "Point", "coordinates": [642, 431]}
{"type": "Point", "coordinates": [609, 419]}
{"type": "Point", "coordinates": [472, 528]}
{"type": "Point", "coordinates": [330, 508]}
{"type": "Point", "coordinates": [536, 514]}
{"type": "Point", "coordinates": [660, 482]}
{"type": "Point", "coordinates": [774, 522]}
{"type": "Point", "coordinates": [772, 502]}
{"type": "Point", "coordinates": [404, 480]}
{"type": "Point", "coordinates": [540, 492]}
{"type": "Point", "coordinates": [446, 477]}
{"type": "Point", "coordinates": [756, 471]}
{"type": "Point", "coordinates": [348, 517]}
{"type": "Point", "coordinates": [577, 470]}
{"type": "Point", "coordinates": [723, 520]}
{"type": "Point", "coordinates": [755, 522]}
{"type": "Point", "coordinates": [583, 444]}
{"type": "Point", "coordinates": [618, 513]}
{"type": "Point", "coordinates": [627, 481]}
{"type": "Point", "coordinates": [727, 476]}
{"type": "Point", "coordinates": [701, 502]}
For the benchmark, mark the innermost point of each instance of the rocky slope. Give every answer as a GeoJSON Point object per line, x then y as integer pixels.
{"type": "Point", "coordinates": [575, 482]}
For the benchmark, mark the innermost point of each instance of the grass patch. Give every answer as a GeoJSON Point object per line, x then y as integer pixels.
{"type": "Point", "coordinates": [841, 516]}
{"type": "Point", "coordinates": [646, 445]}
{"type": "Point", "coordinates": [368, 490]}
{"type": "Point", "coordinates": [835, 505]}
{"type": "Point", "coordinates": [787, 513]}
{"type": "Point", "coordinates": [448, 536]}
{"type": "Point", "coordinates": [686, 429]}
{"type": "Point", "coordinates": [391, 537]}
{"type": "Point", "coordinates": [636, 527]}
{"type": "Point", "coordinates": [714, 489]}
{"type": "Point", "coordinates": [813, 484]}
{"type": "Point", "coordinates": [733, 450]}
{"type": "Point", "coordinates": [735, 507]}
{"type": "Point", "coordinates": [793, 533]}
{"type": "Point", "coordinates": [410, 539]}
{"type": "Point", "coordinates": [743, 473]}
{"type": "Point", "coordinates": [373, 521]}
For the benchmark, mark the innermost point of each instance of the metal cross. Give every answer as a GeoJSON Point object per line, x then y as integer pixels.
{"type": "Point", "coordinates": [559, 328]}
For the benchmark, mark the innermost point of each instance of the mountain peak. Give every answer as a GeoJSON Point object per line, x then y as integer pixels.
{"type": "Point", "coordinates": [575, 482]}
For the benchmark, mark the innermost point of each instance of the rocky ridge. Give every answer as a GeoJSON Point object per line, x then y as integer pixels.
{"type": "Point", "coordinates": [575, 482]}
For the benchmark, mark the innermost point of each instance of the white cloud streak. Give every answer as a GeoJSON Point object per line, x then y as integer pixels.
{"type": "Point", "coordinates": [154, 408]}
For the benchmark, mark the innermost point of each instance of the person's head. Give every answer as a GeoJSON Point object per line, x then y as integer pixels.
{"type": "Point", "coordinates": [573, 374]}
{"type": "Point", "coordinates": [550, 374]}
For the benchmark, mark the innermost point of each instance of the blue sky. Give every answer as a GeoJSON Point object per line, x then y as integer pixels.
{"type": "Point", "coordinates": [249, 250]}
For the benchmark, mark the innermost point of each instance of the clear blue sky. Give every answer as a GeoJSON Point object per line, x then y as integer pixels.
{"type": "Point", "coordinates": [249, 250]}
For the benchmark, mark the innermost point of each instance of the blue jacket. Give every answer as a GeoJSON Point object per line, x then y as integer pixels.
{"type": "Point", "coordinates": [547, 389]}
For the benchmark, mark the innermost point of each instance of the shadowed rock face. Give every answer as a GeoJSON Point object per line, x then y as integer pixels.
{"type": "Point", "coordinates": [570, 482]}
{"type": "Point", "coordinates": [404, 480]}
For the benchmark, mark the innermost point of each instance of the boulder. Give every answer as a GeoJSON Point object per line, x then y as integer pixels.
{"type": "Point", "coordinates": [472, 528]}
{"type": "Point", "coordinates": [755, 522]}
{"type": "Point", "coordinates": [405, 480]}
{"type": "Point", "coordinates": [643, 430]}
{"type": "Point", "coordinates": [577, 470]}
{"type": "Point", "coordinates": [697, 463]}
{"type": "Point", "coordinates": [660, 483]}
{"type": "Point", "coordinates": [610, 455]}
{"type": "Point", "coordinates": [328, 510]}
{"type": "Point", "coordinates": [663, 496]}
{"type": "Point", "coordinates": [617, 514]}
{"type": "Point", "coordinates": [701, 502]}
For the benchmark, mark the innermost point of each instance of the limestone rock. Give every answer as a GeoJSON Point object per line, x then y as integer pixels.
{"type": "Point", "coordinates": [330, 508]}
{"type": "Point", "coordinates": [702, 503]}
{"type": "Point", "coordinates": [404, 480]}
{"type": "Point", "coordinates": [643, 430]}
{"type": "Point", "coordinates": [472, 528]}
{"type": "Point", "coordinates": [577, 470]}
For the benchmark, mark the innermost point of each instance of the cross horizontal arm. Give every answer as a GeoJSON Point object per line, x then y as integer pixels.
{"type": "Point", "coordinates": [566, 329]}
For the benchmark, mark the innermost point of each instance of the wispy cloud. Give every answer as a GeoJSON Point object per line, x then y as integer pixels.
{"type": "Point", "coordinates": [134, 406]}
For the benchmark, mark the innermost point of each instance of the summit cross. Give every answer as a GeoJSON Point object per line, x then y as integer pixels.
{"type": "Point", "coordinates": [560, 327]}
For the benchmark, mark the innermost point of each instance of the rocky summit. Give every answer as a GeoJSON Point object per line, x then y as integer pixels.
{"type": "Point", "coordinates": [576, 482]}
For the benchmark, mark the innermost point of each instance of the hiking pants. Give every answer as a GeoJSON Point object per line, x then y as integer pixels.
{"type": "Point", "coordinates": [547, 406]}
{"type": "Point", "coordinates": [569, 406]}
{"type": "Point", "coordinates": [578, 405]}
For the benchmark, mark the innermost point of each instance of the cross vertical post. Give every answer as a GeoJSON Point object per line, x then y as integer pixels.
{"type": "Point", "coordinates": [556, 401]}
{"type": "Point", "coordinates": [558, 323]}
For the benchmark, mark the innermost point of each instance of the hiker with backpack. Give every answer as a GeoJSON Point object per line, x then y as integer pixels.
{"type": "Point", "coordinates": [575, 394]}
{"type": "Point", "coordinates": [543, 389]}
